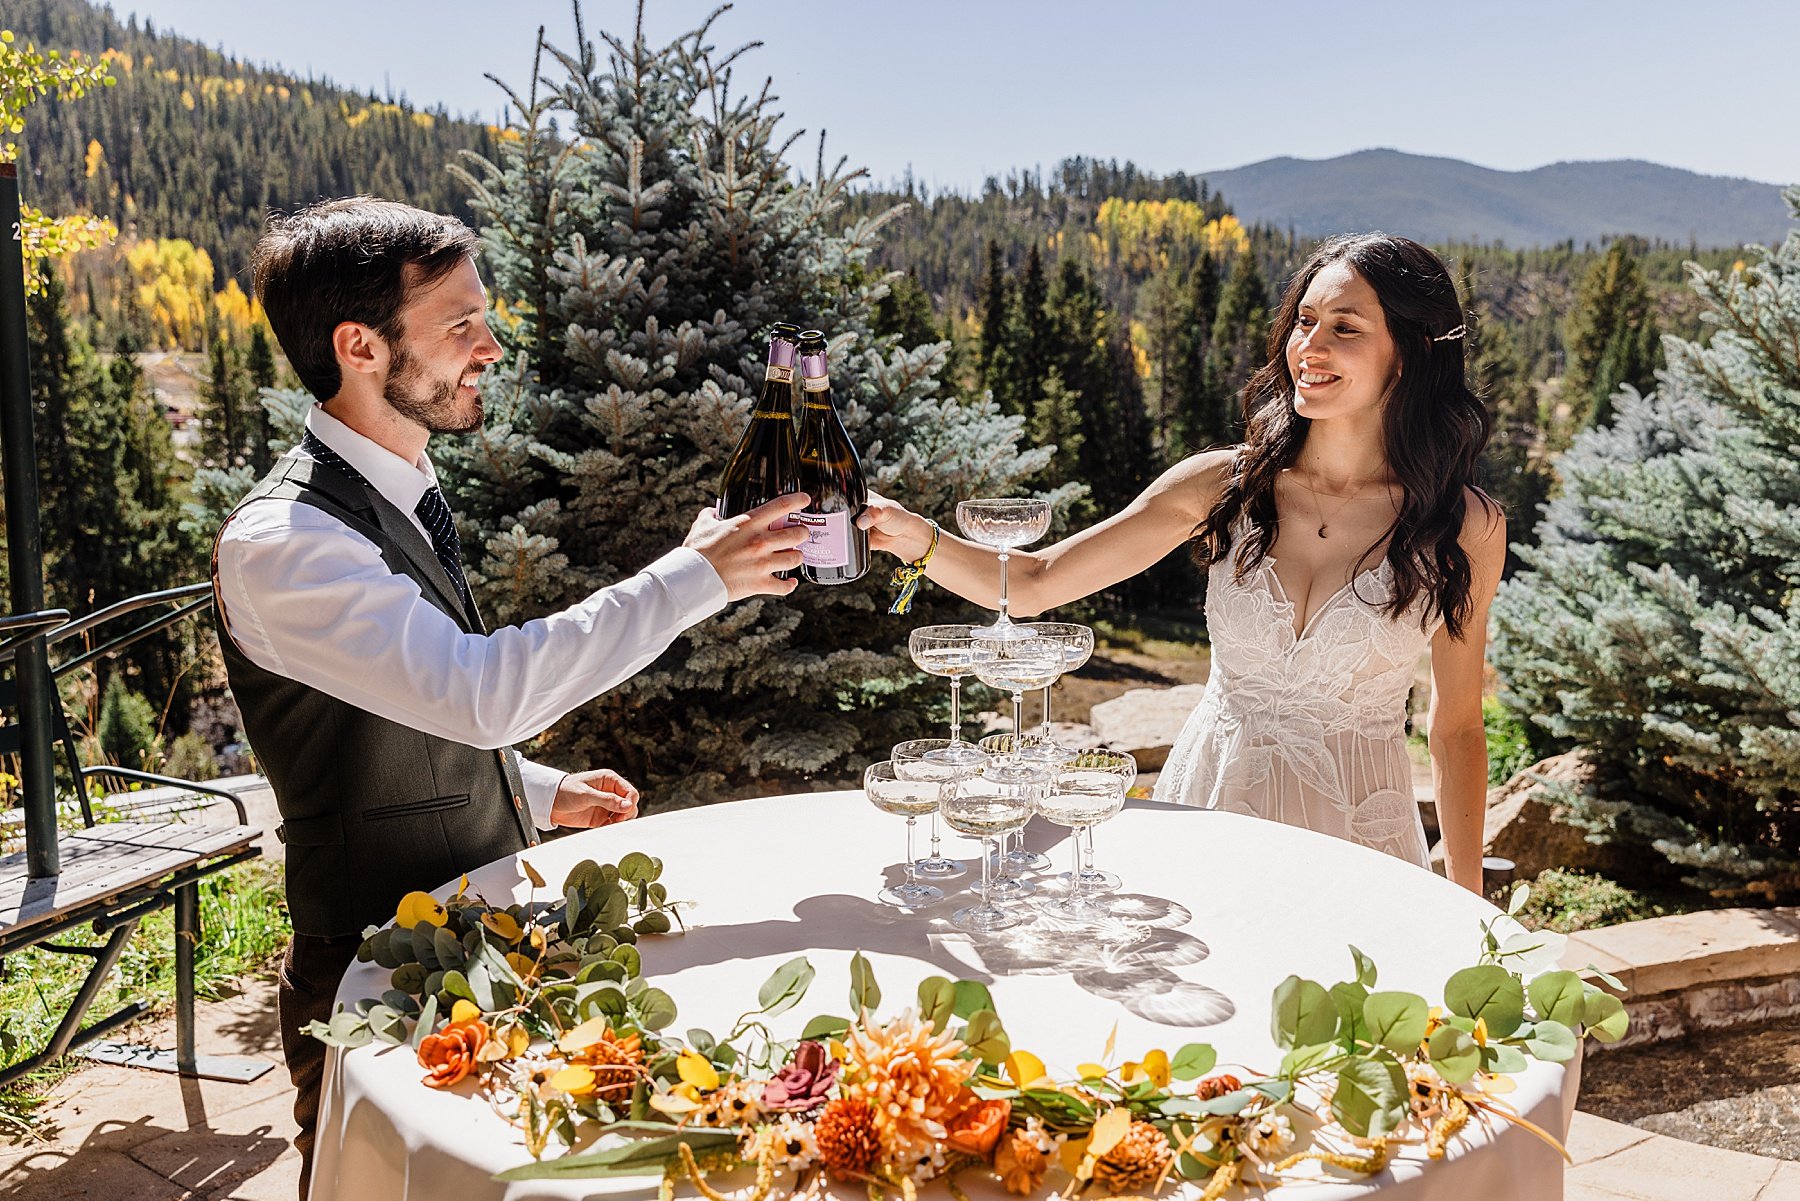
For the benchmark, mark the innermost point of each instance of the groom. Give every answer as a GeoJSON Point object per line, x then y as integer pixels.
{"type": "Point", "coordinates": [380, 706]}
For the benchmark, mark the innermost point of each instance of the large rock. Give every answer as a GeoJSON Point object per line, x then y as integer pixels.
{"type": "Point", "coordinates": [1145, 721]}
{"type": "Point", "coordinates": [1522, 825]}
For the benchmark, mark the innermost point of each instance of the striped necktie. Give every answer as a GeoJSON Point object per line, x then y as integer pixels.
{"type": "Point", "coordinates": [432, 510]}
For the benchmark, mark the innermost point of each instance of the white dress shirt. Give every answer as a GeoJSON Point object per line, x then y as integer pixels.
{"type": "Point", "coordinates": [309, 598]}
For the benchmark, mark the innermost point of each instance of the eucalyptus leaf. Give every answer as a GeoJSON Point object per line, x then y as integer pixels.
{"type": "Point", "coordinates": [1607, 978]}
{"type": "Point", "coordinates": [655, 922]}
{"type": "Point", "coordinates": [1501, 1058]}
{"type": "Point", "coordinates": [386, 1024]}
{"type": "Point", "coordinates": [381, 948]}
{"type": "Point", "coordinates": [628, 957]}
{"type": "Point", "coordinates": [427, 1020]}
{"type": "Point", "coordinates": [865, 994]}
{"type": "Point", "coordinates": [1348, 997]}
{"type": "Point", "coordinates": [1605, 1017]}
{"type": "Point", "coordinates": [1371, 1099]}
{"type": "Point", "coordinates": [615, 907]}
{"type": "Point", "coordinates": [348, 1030]}
{"type": "Point", "coordinates": [1303, 1013]}
{"type": "Point", "coordinates": [1454, 1053]}
{"type": "Point", "coordinates": [701, 1040]}
{"type": "Point", "coordinates": [1558, 996]}
{"type": "Point", "coordinates": [826, 1026]}
{"type": "Point", "coordinates": [937, 1002]}
{"type": "Point", "coordinates": [1520, 894]}
{"type": "Point", "coordinates": [1301, 1060]}
{"type": "Point", "coordinates": [784, 988]}
{"type": "Point", "coordinates": [972, 996]}
{"type": "Point", "coordinates": [638, 868]}
{"type": "Point", "coordinates": [1397, 1020]}
{"type": "Point", "coordinates": [986, 1037]}
{"type": "Point", "coordinates": [448, 948]}
{"type": "Point", "coordinates": [1193, 1061]}
{"type": "Point", "coordinates": [457, 985]}
{"type": "Point", "coordinates": [638, 1157]}
{"type": "Point", "coordinates": [655, 1009]}
{"type": "Point", "coordinates": [1191, 1168]}
{"type": "Point", "coordinates": [1532, 951]}
{"type": "Point", "coordinates": [400, 1002]}
{"type": "Point", "coordinates": [409, 978]}
{"type": "Point", "coordinates": [1552, 1042]}
{"type": "Point", "coordinates": [1488, 993]}
{"type": "Point", "coordinates": [1365, 968]}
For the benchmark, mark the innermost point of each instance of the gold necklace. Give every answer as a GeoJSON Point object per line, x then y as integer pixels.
{"type": "Point", "coordinates": [1318, 505]}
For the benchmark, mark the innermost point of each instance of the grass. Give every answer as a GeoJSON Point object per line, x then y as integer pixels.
{"type": "Point", "coordinates": [243, 927]}
{"type": "Point", "coordinates": [1566, 901]}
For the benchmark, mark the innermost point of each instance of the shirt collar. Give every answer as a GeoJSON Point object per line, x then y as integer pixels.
{"type": "Point", "coordinates": [401, 483]}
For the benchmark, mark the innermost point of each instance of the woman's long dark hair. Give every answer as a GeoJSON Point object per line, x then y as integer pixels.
{"type": "Point", "coordinates": [1433, 430]}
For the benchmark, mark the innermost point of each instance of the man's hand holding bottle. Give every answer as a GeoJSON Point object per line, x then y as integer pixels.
{"type": "Point", "coordinates": [747, 550]}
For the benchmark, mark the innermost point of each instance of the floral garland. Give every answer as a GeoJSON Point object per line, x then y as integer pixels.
{"type": "Point", "coordinates": [550, 1018]}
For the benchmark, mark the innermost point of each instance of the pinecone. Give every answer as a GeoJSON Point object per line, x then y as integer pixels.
{"type": "Point", "coordinates": [617, 1064]}
{"type": "Point", "coordinates": [1214, 1087]}
{"type": "Point", "coordinates": [845, 1133]}
{"type": "Point", "coordinates": [1136, 1162]}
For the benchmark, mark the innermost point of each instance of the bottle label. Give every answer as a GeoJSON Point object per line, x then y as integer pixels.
{"type": "Point", "coordinates": [827, 538]}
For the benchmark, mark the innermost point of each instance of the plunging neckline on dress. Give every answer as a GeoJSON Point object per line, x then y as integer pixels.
{"type": "Point", "coordinates": [1280, 592]}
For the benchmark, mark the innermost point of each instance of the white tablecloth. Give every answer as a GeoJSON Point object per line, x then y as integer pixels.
{"type": "Point", "coordinates": [1239, 904]}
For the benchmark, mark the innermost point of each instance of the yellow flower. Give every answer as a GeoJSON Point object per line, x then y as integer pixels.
{"type": "Point", "coordinates": [503, 924]}
{"type": "Point", "coordinates": [416, 907]}
{"type": "Point", "coordinates": [696, 1070]}
{"type": "Point", "coordinates": [1154, 1068]}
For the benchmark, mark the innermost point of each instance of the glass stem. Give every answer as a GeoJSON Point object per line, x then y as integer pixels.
{"type": "Point", "coordinates": [988, 851]}
{"type": "Point", "coordinates": [912, 871]}
{"type": "Point", "coordinates": [1047, 714]}
{"type": "Point", "coordinates": [935, 856]}
{"type": "Point", "coordinates": [1004, 619]}
{"type": "Point", "coordinates": [1018, 721]}
{"type": "Point", "coordinates": [1075, 876]}
{"type": "Point", "coordinates": [955, 708]}
{"type": "Point", "coordinates": [1088, 850]}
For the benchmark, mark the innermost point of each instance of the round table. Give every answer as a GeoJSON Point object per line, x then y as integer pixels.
{"type": "Point", "coordinates": [1237, 903]}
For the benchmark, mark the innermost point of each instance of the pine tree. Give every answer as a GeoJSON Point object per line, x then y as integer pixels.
{"type": "Point", "coordinates": [642, 257]}
{"type": "Point", "coordinates": [996, 302]}
{"type": "Point", "coordinates": [1658, 625]}
{"type": "Point", "coordinates": [1514, 469]}
{"type": "Point", "coordinates": [1612, 338]}
{"type": "Point", "coordinates": [904, 313]}
{"type": "Point", "coordinates": [1023, 354]}
{"type": "Point", "coordinates": [259, 367]}
{"type": "Point", "coordinates": [1199, 420]}
{"type": "Point", "coordinates": [225, 402]}
{"type": "Point", "coordinates": [1237, 344]}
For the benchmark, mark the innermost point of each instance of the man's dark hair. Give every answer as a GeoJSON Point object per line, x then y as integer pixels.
{"type": "Point", "coordinates": [345, 260]}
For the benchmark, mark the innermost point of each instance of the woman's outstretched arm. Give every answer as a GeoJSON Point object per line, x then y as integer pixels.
{"type": "Point", "coordinates": [1162, 517]}
{"type": "Point", "coordinates": [1457, 733]}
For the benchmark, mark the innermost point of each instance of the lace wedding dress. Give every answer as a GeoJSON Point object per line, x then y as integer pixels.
{"type": "Point", "coordinates": [1307, 729]}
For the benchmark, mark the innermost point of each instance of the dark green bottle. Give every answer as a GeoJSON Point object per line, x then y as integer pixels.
{"type": "Point", "coordinates": [836, 551]}
{"type": "Point", "coordinates": [766, 463]}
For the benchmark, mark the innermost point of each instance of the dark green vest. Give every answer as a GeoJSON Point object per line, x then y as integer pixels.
{"type": "Point", "coordinates": [371, 810]}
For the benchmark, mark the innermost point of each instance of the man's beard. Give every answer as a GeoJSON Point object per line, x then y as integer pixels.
{"type": "Point", "coordinates": [436, 410]}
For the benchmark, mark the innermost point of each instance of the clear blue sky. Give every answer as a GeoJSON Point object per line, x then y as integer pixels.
{"type": "Point", "coordinates": [961, 89]}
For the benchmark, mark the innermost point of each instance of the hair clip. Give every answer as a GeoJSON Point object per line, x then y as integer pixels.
{"type": "Point", "coordinates": [1453, 335]}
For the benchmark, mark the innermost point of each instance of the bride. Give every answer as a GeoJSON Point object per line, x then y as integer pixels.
{"type": "Point", "coordinates": [1342, 540]}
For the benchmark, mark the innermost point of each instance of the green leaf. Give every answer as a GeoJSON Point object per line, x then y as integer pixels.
{"type": "Point", "coordinates": [387, 1025]}
{"type": "Point", "coordinates": [410, 978]}
{"type": "Point", "coordinates": [1397, 1020]}
{"type": "Point", "coordinates": [1558, 996]}
{"type": "Point", "coordinates": [986, 1037]}
{"type": "Point", "coordinates": [457, 985]}
{"type": "Point", "coordinates": [826, 1026]}
{"type": "Point", "coordinates": [1193, 1061]}
{"type": "Point", "coordinates": [1365, 968]}
{"type": "Point", "coordinates": [1607, 978]}
{"type": "Point", "coordinates": [1301, 1060]}
{"type": "Point", "coordinates": [1348, 996]}
{"type": "Point", "coordinates": [1605, 1017]}
{"type": "Point", "coordinates": [655, 1009]}
{"type": "Point", "coordinates": [638, 1157]}
{"type": "Point", "coordinates": [1552, 1042]}
{"type": "Point", "coordinates": [448, 948]}
{"type": "Point", "coordinates": [701, 1040]}
{"type": "Point", "coordinates": [783, 990]}
{"type": "Point", "coordinates": [1303, 1013]}
{"type": "Point", "coordinates": [865, 994]}
{"type": "Point", "coordinates": [638, 868]}
{"type": "Point", "coordinates": [937, 1002]}
{"type": "Point", "coordinates": [972, 996]}
{"type": "Point", "coordinates": [1532, 951]}
{"type": "Point", "coordinates": [1487, 993]}
{"type": "Point", "coordinates": [1520, 894]}
{"type": "Point", "coordinates": [628, 957]}
{"type": "Point", "coordinates": [1454, 1053]}
{"type": "Point", "coordinates": [427, 1020]}
{"type": "Point", "coordinates": [343, 1030]}
{"type": "Point", "coordinates": [1501, 1058]}
{"type": "Point", "coordinates": [655, 922]}
{"type": "Point", "coordinates": [1371, 1098]}
{"type": "Point", "coordinates": [1192, 1169]}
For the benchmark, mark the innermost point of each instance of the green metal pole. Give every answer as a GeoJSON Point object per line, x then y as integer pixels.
{"type": "Point", "coordinates": [24, 543]}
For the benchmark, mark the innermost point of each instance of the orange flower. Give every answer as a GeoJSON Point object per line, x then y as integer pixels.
{"type": "Point", "coordinates": [977, 1127]}
{"type": "Point", "coordinates": [1021, 1162]}
{"type": "Point", "coordinates": [449, 1055]}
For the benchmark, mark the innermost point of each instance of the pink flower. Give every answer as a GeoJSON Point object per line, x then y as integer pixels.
{"type": "Point", "coordinates": [802, 1085]}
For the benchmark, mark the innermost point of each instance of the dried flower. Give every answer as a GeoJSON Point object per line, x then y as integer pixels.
{"type": "Point", "coordinates": [1136, 1161]}
{"type": "Point", "coordinates": [911, 1077]}
{"type": "Point", "coordinates": [1214, 1087]}
{"type": "Point", "coordinates": [849, 1144]}
{"type": "Point", "coordinates": [787, 1142]}
{"type": "Point", "coordinates": [804, 1083]}
{"type": "Point", "coordinates": [1267, 1135]}
{"type": "Point", "coordinates": [1021, 1159]}
{"type": "Point", "coordinates": [735, 1104]}
{"type": "Point", "coordinates": [617, 1064]}
{"type": "Point", "coordinates": [450, 1054]}
{"type": "Point", "coordinates": [975, 1129]}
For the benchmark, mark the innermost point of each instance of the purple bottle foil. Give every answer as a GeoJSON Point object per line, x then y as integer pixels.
{"type": "Point", "coordinates": [782, 352]}
{"type": "Point", "coordinates": [813, 373]}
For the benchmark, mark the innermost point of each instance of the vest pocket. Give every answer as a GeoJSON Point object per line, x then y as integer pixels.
{"type": "Point", "coordinates": [411, 808]}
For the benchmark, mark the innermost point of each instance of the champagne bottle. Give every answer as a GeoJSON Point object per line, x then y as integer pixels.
{"type": "Point", "coordinates": [836, 552]}
{"type": "Point", "coordinates": [766, 463]}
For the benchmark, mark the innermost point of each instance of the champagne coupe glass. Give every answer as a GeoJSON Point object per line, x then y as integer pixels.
{"type": "Point", "coordinates": [1015, 665]}
{"type": "Point", "coordinates": [1004, 524]}
{"type": "Point", "coordinates": [1077, 642]}
{"type": "Point", "coordinates": [1080, 800]}
{"type": "Point", "coordinates": [930, 759]}
{"type": "Point", "coordinates": [949, 651]}
{"type": "Point", "coordinates": [1086, 879]}
{"type": "Point", "coordinates": [890, 793]}
{"type": "Point", "coordinates": [985, 807]}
